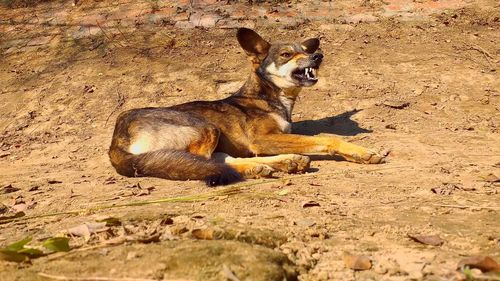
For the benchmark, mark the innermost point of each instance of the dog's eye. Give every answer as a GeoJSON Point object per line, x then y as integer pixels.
{"type": "Point", "coordinates": [286, 55]}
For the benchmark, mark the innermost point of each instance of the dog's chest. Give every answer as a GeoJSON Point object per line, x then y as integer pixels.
{"type": "Point", "coordinates": [284, 121]}
{"type": "Point", "coordinates": [283, 124]}
{"type": "Point", "coordinates": [287, 103]}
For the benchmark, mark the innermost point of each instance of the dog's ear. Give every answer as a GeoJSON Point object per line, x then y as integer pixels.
{"type": "Point", "coordinates": [252, 43]}
{"type": "Point", "coordinates": [310, 45]}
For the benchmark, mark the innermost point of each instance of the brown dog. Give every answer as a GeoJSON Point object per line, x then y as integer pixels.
{"type": "Point", "coordinates": [218, 141]}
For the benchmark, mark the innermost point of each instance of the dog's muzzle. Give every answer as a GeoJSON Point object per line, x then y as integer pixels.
{"type": "Point", "coordinates": [318, 58]}
{"type": "Point", "coordinates": [308, 75]}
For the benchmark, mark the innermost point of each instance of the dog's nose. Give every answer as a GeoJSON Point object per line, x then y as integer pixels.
{"type": "Point", "coordinates": [317, 57]}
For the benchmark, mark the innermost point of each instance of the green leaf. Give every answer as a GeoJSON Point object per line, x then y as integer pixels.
{"type": "Point", "coordinates": [18, 252]}
{"type": "Point", "coordinates": [31, 252]}
{"type": "Point", "coordinates": [57, 244]}
{"type": "Point", "coordinates": [19, 245]}
{"type": "Point", "coordinates": [8, 255]}
{"type": "Point", "coordinates": [468, 273]}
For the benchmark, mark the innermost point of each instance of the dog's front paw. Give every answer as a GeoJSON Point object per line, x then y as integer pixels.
{"type": "Point", "coordinates": [303, 163]}
{"type": "Point", "coordinates": [291, 163]}
{"type": "Point", "coordinates": [368, 156]}
{"type": "Point", "coordinates": [259, 171]}
{"type": "Point", "coordinates": [374, 157]}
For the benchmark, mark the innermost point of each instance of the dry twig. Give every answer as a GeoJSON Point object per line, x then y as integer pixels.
{"type": "Point", "coordinates": [106, 35]}
{"type": "Point", "coordinates": [468, 207]}
{"type": "Point", "coordinates": [481, 50]}
{"type": "Point", "coordinates": [213, 194]}
{"type": "Point", "coordinates": [229, 274]}
{"type": "Point", "coordinates": [90, 278]}
{"type": "Point", "coordinates": [485, 53]}
{"type": "Point", "coordinates": [120, 101]}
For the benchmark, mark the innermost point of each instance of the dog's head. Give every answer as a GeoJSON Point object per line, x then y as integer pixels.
{"type": "Point", "coordinates": [286, 65]}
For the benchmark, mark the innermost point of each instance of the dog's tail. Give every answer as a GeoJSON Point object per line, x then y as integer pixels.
{"type": "Point", "coordinates": [173, 165]}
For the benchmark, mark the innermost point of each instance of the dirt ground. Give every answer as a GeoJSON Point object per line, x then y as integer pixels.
{"type": "Point", "coordinates": [427, 89]}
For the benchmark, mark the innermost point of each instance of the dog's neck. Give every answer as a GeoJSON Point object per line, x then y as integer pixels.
{"type": "Point", "coordinates": [261, 88]}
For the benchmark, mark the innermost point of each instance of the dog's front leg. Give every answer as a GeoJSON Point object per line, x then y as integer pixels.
{"type": "Point", "coordinates": [289, 143]}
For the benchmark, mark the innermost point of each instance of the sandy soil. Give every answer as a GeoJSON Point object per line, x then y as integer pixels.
{"type": "Point", "coordinates": [429, 90]}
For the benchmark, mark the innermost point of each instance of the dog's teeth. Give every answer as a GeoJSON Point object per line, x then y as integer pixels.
{"type": "Point", "coordinates": [310, 73]}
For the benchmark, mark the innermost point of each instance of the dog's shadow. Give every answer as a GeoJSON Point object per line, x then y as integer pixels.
{"type": "Point", "coordinates": [341, 125]}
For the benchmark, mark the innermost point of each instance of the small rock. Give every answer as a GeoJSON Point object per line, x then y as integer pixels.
{"type": "Point", "coordinates": [166, 221]}
{"type": "Point", "coordinates": [360, 18]}
{"type": "Point", "coordinates": [396, 104]}
{"type": "Point", "coordinates": [3, 209]}
{"type": "Point", "coordinates": [203, 234]}
{"type": "Point", "coordinates": [54, 181]}
{"type": "Point", "coordinates": [433, 240]}
{"type": "Point", "coordinates": [357, 262]}
{"type": "Point", "coordinates": [484, 263]}
{"type": "Point", "coordinates": [88, 88]}
{"type": "Point", "coordinates": [449, 188]}
{"type": "Point", "coordinates": [380, 269]}
{"type": "Point", "coordinates": [491, 178]}
{"type": "Point", "coordinates": [209, 20]}
{"type": "Point", "coordinates": [9, 189]}
{"type": "Point", "coordinates": [464, 97]}
{"type": "Point", "coordinates": [132, 255]}
{"type": "Point", "coordinates": [4, 154]}
{"type": "Point", "coordinates": [184, 25]}
{"type": "Point", "coordinates": [391, 126]}
{"type": "Point", "coordinates": [305, 223]}
{"type": "Point", "coordinates": [178, 230]}
{"type": "Point", "coordinates": [309, 204]}
{"type": "Point", "coordinates": [110, 180]}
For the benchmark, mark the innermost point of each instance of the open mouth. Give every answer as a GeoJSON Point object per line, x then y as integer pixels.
{"type": "Point", "coordinates": [307, 74]}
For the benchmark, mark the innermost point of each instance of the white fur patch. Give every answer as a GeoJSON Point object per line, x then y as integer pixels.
{"type": "Point", "coordinates": [141, 145]}
{"type": "Point", "coordinates": [288, 104]}
{"type": "Point", "coordinates": [282, 76]}
{"type": "Point", "coordinates": [168, 137]}
{"type": "Point", "coordinates": [284, 125]}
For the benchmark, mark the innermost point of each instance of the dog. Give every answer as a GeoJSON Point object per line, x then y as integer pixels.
{"type": "Point", "coordinates": [246, 135]}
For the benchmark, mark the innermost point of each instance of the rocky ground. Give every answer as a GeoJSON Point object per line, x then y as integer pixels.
{"type": "Point", "coordinates": [417, 77]}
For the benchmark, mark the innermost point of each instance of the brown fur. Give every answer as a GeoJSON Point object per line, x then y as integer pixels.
{"type": "Point", "coordinates": [179, 142]}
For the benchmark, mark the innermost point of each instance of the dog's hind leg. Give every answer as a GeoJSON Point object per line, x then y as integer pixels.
{"type": "Point", "coordinates": [167, 144]}
{"type": "Point", "coordinates": [206, 142]}
{"type": "Point", "coordinates": [205, 145]}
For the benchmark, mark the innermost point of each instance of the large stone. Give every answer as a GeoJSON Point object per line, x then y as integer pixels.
{"type": "Point", "coordinates": [204, 20]}
{"type": "Point", "coordinates": [171, 260]}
